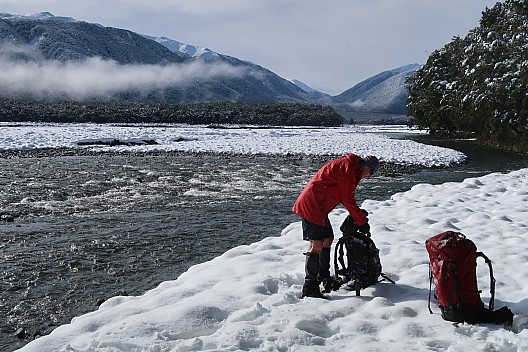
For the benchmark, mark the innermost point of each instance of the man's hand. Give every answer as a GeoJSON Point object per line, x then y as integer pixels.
{"type": "Point", "coordinates": [365, 228]}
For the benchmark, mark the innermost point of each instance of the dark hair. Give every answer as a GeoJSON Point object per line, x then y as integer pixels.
{"type": "Point", "coordinates": [373, 163]}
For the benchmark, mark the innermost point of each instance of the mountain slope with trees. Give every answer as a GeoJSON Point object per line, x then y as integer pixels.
{"type": "Point", "coordinates": [477, 85]}
{"type": "Point", "coordinates": [382, 97]}
{"type": "Point", "coordinates": [45, 38]}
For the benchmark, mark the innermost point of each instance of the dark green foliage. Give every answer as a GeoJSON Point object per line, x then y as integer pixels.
{"type": "Point", "coordinates": [273, 114]}
{"type": "Point", "coordinates": [477, 85]}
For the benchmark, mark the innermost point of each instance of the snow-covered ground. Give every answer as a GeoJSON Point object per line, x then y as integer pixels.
{"type": "Point", "coordinates": [362, 140]}
{"type": "Point", "coordinates": [248, 298]}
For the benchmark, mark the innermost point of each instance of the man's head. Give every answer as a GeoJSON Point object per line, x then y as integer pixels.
{"type": "Point", "coordinates": [372, 163]}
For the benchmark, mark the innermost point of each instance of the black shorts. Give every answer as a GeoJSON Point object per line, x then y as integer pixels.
{"type": "Point", "coordinates": [316, 232]}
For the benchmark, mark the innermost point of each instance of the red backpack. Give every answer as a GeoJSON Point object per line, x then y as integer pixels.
{"type": "Point", "coordinates": [453, 267]}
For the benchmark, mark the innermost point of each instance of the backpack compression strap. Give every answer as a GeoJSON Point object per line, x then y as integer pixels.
{"type": "Point", "coordinates": [492, 280]}
{"type": "Point", "coordinates": [430, 287]}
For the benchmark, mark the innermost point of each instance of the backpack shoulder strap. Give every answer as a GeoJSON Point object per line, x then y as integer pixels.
{"type": "Point", "coordinates": [339, 256]}
{"type": "Point", "coordinates": [492, 280]}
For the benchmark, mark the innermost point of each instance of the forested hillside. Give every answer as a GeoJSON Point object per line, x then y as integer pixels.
{"type": "Point", "coordinates": [192, 113]}
{"type": "Point", "coordinates": [477, 85]}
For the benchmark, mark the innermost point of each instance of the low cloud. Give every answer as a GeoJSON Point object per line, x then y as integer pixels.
{"type": "Point", "coordinates": [22, 75]}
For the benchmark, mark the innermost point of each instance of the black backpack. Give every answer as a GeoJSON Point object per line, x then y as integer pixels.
{"type": "Point", "coordinates": [356, 258]}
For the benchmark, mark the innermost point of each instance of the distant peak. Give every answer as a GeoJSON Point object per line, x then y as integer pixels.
{"type": "Point", "coordinates": [43, 15]}
{"type": "Point", "coordinates": [303, 86]}
{"type": "Point", "coordinates": [176, 46]}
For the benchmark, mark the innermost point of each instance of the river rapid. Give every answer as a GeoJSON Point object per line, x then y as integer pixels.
{"type": "Point", "coordinates": [89, 227]}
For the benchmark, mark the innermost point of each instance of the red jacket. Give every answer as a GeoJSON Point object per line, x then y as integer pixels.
{"type": "Point", "coordinates": [335, 183]}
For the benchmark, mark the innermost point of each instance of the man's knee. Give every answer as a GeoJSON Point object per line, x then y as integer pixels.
{"type": "Point", "coordinates": [316, 246]}
{"type": "Point", "coordinates": [327, 242]}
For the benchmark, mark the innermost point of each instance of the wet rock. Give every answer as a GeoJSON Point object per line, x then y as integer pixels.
{"type": "Point", "coordinates": [21, 333]}
{"type": "Point", "coordinates": [100, 301]}
{"type": "Point", "coordinates": [116, 142]}
{"type": "Point", "coordinates": [4, 217]}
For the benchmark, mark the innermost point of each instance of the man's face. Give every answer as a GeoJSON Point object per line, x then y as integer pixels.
{"type": "Point", "coordinates": [366, 172]}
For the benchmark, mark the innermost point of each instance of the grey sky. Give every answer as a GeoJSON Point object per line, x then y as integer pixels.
{"type": "Point", "coordinates": [330, 45]}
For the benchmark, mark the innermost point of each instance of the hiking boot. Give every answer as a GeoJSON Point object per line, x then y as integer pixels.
{"type": "Point", "coordinates": [311, 285]}
{"type": "Point", "coordinates": [311, 289]}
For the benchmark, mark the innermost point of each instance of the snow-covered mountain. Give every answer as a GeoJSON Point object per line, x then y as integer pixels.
{"type": "Point", "coordinates": [318, 96]}
{"type": "Point", "coordinates": [304, 86]}
{"type": "Point", "coordinates": [382, 93]}
{"type": "Point", "coordinates": [191, 50]}
{"type": "Point", "coordinates": [44, 37]}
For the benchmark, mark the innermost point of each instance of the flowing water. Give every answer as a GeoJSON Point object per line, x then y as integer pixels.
{"type": "Point", "coordinates": [87, 228]}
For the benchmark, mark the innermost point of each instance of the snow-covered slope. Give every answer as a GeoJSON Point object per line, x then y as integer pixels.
{"type": "Point", "coordinates": [304, 86]}
{"type": "Point", "coordinates": [383, 93]}
{"type": "Point", "coordinates": [389, 96]}
{"type": "Point", "coordinates": [191, 50]}
{"type": "Point", "coordinates": [38, 16]}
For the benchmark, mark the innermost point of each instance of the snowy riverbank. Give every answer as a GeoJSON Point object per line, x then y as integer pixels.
{"type": "Point", "coordinates": [362, 140]}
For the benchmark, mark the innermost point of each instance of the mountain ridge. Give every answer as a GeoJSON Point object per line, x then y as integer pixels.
{"type": "Point", "coordinates": [44, 36]}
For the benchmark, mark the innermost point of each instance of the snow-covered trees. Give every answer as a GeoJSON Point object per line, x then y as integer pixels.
{"type": "Point", "coordinates": [478, 84]}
